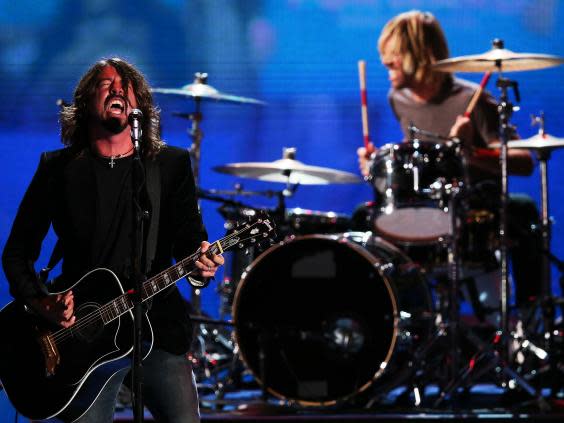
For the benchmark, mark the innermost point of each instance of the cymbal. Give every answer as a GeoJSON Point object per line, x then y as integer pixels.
{"type": "Point", "coordinates": [536, 142]}
{"type": "Point", "coordinates": [288, 170]}
{"type": "Point", "coordinates": [198, 90]}
{"type": "Point", "coordinates": [507, 60]}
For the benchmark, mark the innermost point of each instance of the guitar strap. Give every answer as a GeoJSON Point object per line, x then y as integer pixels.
{"type": "Point", "coordinates": [153, 179]}
{"type": "Point", "coordinates": [56, 256]}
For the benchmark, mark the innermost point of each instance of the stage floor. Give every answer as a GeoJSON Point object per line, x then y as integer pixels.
{"type": "Point", "coordinates": [483, 403]}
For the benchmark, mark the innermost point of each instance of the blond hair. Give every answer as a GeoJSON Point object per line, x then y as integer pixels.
{"type": "Point", "coordinates": [419, 39]}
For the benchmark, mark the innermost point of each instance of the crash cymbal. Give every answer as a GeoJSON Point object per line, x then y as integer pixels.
{"type": "Point", "coordinates": [199, 90]}
{"type": "Point", "coordinates": [288, 170]}
{"type": "Point", "coordinates": [498, 59]}
{"type": "Point", "coordinates": [536, 142]}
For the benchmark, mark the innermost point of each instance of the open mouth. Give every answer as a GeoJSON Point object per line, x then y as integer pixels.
{"type": "Point", "coordinates": [116, 105]}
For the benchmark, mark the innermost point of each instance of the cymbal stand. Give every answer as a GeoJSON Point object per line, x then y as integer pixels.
{"type": "Point", "coordinates": [453, 278]}
{"type": "Point", "coordinates": [547, 300]}
{"type": "Point", "coordinates": [455, 328]}
{"type": "Point", "coordinates": [196, 135]}
{"type": "Point", "coordinates": [498, 360]}
{"type": "Point", "coordinates": [505, 109]}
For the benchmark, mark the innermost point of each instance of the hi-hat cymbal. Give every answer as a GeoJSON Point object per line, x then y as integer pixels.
{"type": "Point", "coordinates": [198, 90]}
{"type": "Point", "coordinates": [536, 142]}
{"type": "Point", "coordinates": [498, 59]}
{"type": "Point", "coordinates": [288, 170]}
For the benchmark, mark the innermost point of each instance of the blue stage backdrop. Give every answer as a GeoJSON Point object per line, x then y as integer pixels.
{"type": "Point", "coordinates": [299, 56]}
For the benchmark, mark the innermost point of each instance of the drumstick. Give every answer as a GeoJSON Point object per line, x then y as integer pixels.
{"type": "Point", "coordinates": [481, 152]}
{"type": "Point", "coordinates": [477, 94]}
{"type": "Point", "coordinates": [364, 105]}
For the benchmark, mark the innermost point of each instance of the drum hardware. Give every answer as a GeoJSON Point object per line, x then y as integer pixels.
{"type": "Point", "coordinates": [323, 353]}
{"type": "Point", "coordinates": [289, 171]}
{"type": "Point", "coordinates": [543, 144]}
{"type": "Point", "coordinates": [486, 354]}
{"type": "Point", "coordinates": [498, 60]}
{"type": "Point", "coordinates": [428, 136]}
{"type": "Point", "coordinates": [199, 90]}
{"type": "Point", "coordinates": [234, 211]}
{"type": "Point", "coordinates": [448, 327]}
{"type": "Point", "coordinates": [216, 356]}
{"type": "Point", "coordinates": [411, 179]}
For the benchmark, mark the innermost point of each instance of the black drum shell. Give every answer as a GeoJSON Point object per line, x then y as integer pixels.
{"type": "Point", "coordinates": [297, 296]}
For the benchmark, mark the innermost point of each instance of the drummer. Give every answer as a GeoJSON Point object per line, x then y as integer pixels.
{"type": "Point", "coordinates": [435, 102]}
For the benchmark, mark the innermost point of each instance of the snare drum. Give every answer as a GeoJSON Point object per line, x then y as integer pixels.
{"type": "Point", "coordinates": [410, 180]}
{"type": "Point", "coordinates": [303, 221]}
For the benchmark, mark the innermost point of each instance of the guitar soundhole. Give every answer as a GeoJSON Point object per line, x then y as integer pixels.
{"type": "Point", "coordinates": [89, 322]}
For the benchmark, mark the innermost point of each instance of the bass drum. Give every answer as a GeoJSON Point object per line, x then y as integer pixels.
{"type": "Point", "coordinates": [321, 318]}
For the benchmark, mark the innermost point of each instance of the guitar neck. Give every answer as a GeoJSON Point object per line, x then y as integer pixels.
{"type": "Point", "coordinates": [174, 273]}
{"type": "Point", "coordinates": [247, 233]}
{"type": "Point", "coordinates": [156, 284]}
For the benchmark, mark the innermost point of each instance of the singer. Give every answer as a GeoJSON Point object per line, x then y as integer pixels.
{"type": "Point", "coordinates": [84, 192]}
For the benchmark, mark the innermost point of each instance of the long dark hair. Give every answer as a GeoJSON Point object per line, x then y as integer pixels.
{"type": "Point", "coordinates": [74, 118]}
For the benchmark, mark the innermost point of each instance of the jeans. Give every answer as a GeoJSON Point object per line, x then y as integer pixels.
{"type": "Point", "coordinates": [169, 392]}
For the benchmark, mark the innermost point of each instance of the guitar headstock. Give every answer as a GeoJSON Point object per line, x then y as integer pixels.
{"type": "Point", "coordinates": [257, 230]}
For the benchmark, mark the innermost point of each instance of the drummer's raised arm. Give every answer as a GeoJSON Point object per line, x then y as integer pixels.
{"type": "Point", "coordinates": [365, 158]}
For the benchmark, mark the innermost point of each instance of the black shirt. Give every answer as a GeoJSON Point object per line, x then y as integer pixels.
{"type": "Point", "coordinates": [111, 244]}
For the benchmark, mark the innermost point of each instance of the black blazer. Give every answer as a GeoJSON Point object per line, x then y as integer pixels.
{"type": "Point", "coordinates": [61, 194]}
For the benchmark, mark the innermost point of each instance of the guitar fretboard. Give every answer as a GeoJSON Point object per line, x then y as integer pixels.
{"type": "Point", "coordinates": [183, 268]}
{"type": "Point", "coordinates": [241, 237]}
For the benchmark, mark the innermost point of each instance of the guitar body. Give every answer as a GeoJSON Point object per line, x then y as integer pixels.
{"type": "Point", "coordinates": [89, 353]}
{"type": "Point", "coordinates": [44, 368]}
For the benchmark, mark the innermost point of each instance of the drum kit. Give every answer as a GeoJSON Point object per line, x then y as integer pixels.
{"type": "Point", "coordinates": [334, 310]}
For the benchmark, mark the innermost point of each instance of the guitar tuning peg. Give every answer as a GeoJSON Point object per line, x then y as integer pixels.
{"type": "Point", "coordinates": [247, 251]}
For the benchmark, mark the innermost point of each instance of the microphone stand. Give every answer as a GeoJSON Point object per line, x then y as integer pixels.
{"type": "Point", "coordinates": [137, 277]}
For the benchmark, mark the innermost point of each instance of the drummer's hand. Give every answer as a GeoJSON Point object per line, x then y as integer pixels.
{"type": "Point", "coordinates": [463, 130]}
{"type": "Point", "coordinates": [208, 264]}
{"type": "Point", "coordinates": [364, 158]}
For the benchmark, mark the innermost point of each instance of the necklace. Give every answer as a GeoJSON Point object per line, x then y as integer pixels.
{"type": "Point", "coordinates": [117, 156]}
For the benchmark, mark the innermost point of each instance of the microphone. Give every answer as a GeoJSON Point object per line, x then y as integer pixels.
{"type": "Point", "coordinates": [135, 118]}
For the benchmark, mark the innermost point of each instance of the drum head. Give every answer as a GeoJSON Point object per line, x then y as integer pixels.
{"type": "Point", "coordinates": [413, 225]}
{"type": "Point", "coordinates": [316, 318]}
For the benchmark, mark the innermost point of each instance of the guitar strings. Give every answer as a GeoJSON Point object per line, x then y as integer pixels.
{"type": "Point", "coordinates": [64, 333]}
{"type": "Point", "coordinates": [94, 316]}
